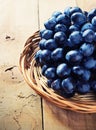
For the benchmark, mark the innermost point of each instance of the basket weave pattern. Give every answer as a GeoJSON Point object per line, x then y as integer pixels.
{"type": "Point", "coordinates": [33, 76]}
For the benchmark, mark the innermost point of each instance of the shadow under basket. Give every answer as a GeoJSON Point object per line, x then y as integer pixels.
{"type": "Point", "coordinates": [34, 78]}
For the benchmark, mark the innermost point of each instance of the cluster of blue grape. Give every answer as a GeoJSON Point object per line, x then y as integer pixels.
{"type": "Point", "coordinates": [67, 53]}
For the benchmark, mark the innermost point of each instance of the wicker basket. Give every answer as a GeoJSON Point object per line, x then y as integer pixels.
{"type": "Point", "coordinates": [32, 74]}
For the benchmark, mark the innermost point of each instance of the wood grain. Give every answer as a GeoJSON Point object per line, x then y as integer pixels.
{"type": "Point", "coordinates": [46, 8]}
{"type": "Point", "coordinates": [20, 106]}
{"type": "Point", "coordinates": [86, 4]}
{"type": "Point", "coordinates": [56, 118]}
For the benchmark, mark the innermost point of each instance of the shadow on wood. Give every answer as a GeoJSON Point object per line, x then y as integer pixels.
{"type": "Point", "coordinates": [67, 120]}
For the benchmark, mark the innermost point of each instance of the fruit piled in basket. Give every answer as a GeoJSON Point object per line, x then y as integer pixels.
{"type": "Point", "coordinates": [67, 51]}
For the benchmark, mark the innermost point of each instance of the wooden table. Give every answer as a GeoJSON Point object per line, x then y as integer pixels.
{"type": "Point", "coordinates": [20, 107]}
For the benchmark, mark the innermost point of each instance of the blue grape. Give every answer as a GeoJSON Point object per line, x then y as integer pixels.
{"type": "Point", "coordinates": [94, 21]}
{"type": "Point", "coordinates": [63, 19]}
{"type": "Point", "coordinates": [81, 73]}
{"type": "Point", "coordinates": [50, 44]}
{"type": "Point", "coordinates": [67, 11]}
{"type": "Point", "coordinates": [87, 49]}
{"type": "Point", "coordinates": [89, 63]}
{"type": "Point", "coordinates": [75, 37]}
{"type": "Point", "coordinates": [83, 87]}
{"type": "Point", "coordinates": [95, 37]}
{"type": "Point", "coordinates": [56, 84]}
{"type": "Point", "coordinates": [44, 67]}
{"type": "Point", "coordinates": [93, 86]}
{"type": "Point", "coordinates": [74, 57]}
{"type": "Point", "coordinates": [73, 28]}
{"type": "Point", "coordinates": [47, 34]}
{"type": "Point", "coordinates": [60, 37]}
{"type": "Point", "coordinates": [74, 10]}
{"type": "Point", "coordinates": [57, 54]}
{"type": "Point", "coordinates": [37, 55]}
{"type": "Point", "coordinates": [42, 44]}
{"type": "Point", "coordinates": [68, 87]}
{"type": "Point", "coordinates": [78, 18]}
{"type": "Point", "coordinates": [87, 26]}
{"type": "Point", "coordinates": [50, 23]}
{"type": "Point", "coordinates": [60, 27]}
{"type": "Point", "coordinates": [56, 14]}
{"type": "Point", "coordinates": [50, 73]}
{"type": "Point", "coordinates": [87, 75]}
{"type": "Point", "coordinates": [63, 70]}
{"type": "Point", "coordinates": [91, 14]}
{"type": "Point", "coordinates": [78, 70]}
{"type": "Point", "coordinates": [88, 35]}
{"type": "Point", "coordinates": [49, 81]}
{"type": "Point", "coordinates": [45, 53]}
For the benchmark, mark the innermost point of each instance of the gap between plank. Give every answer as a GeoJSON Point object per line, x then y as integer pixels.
{"type": "Point", "coordinates": [38, 15]}
{"type": "Point", "coordinates": [41, 98]}
{"type": "Point", "coordinates": [42, 114]}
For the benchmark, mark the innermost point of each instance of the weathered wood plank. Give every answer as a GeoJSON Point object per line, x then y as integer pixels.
{"type": "Point", "coordinates": [46, 8]}
{"type": "Point", "coordinates": [54, 117]}
{"type": "Point", "coordinates": [20, 106]}
{"type": "Point", "coordinates": [86, 4]}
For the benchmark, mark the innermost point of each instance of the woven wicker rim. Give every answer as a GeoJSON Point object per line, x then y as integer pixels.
{"type": "Point", "coordinates": [32, 74]}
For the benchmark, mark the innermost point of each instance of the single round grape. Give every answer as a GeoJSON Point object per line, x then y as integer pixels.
{"type": "Point", "coordinates": [76, 37]}
{"type": "Point", "coordinates": [47, 34]}
{"type": "Point", "coordinates": [60, 38]}
{"type": "Point", "coordinates": [88, 35]}
{"type": "Point", "coordinates": [50, 44]}
{"type": "Point", "coordinates": [83, 87]}
{"type": "Point", "coordinates": [42, 44]}
{"type": "Point", "coordinates": [87, 49]}
{"type": "Point", "coordinates": [50, 73]}
{"type": "Point", "coordinates": [74, 57]}
{"type": "Point", "coordinates": [57, 54]}
{"type": "Point", "coordinates": [56, 84]}
{"type": "Point", "coordinates": [68, 87]}
{"type": "Point", "coordinates": [63, 19]}
{"type": "Point", "coordinates": [63, 70]}
{"type": "Point", "coordinates": [91, 14]}
{"type": "Point", "coordinates": [78, 18]}
{"type": "Point", "coordinates": [50, 23]}
{"type": "Point", "coordinates": [74, 10]}
{"type": "Point", "coordinates": [45, 53]}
